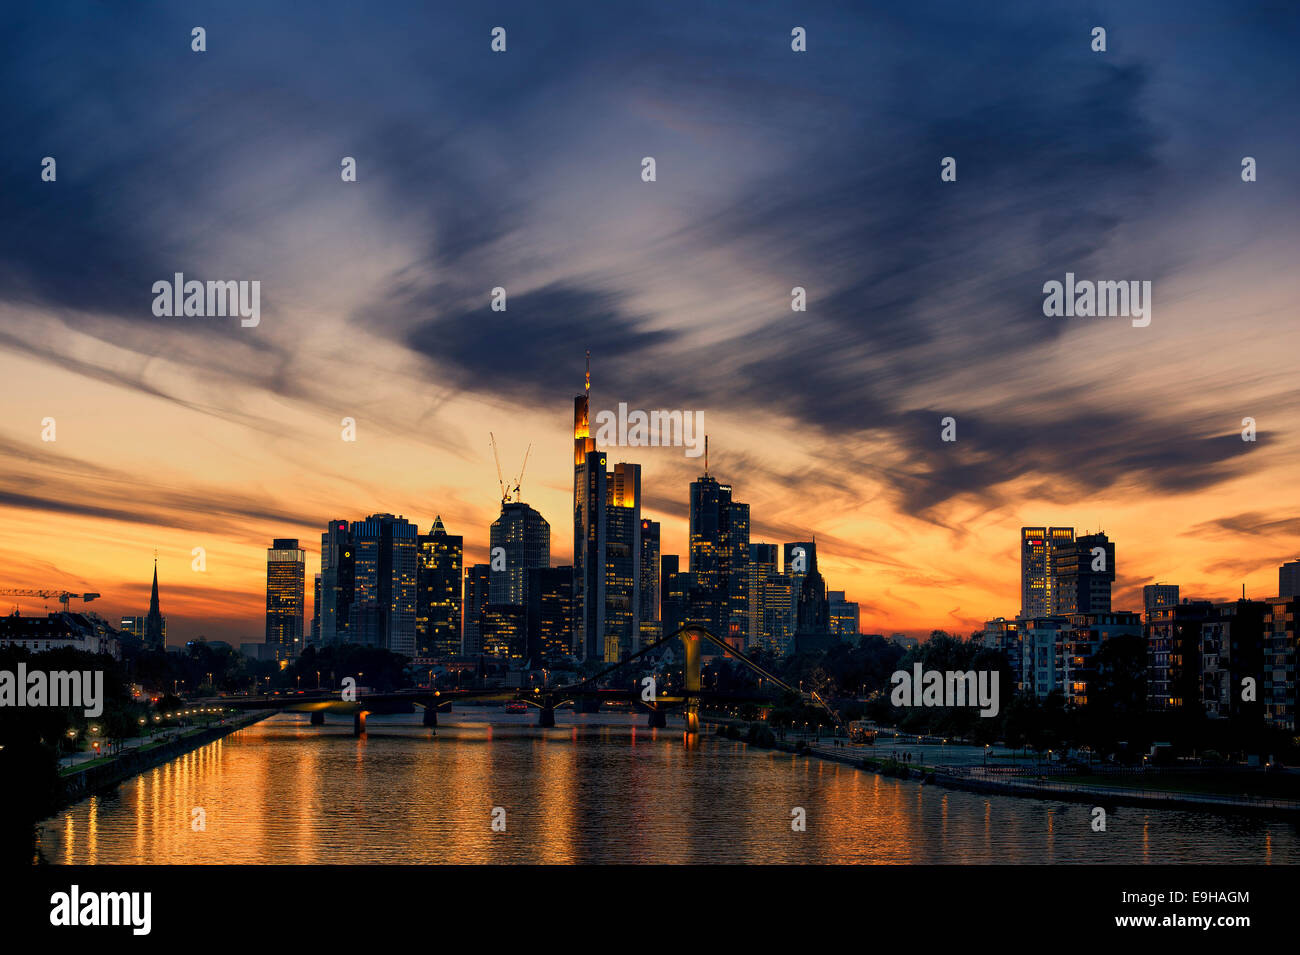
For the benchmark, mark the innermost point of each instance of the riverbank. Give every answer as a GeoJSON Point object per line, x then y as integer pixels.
{"type": "Point", "coordinates": [980, 779]}
{"type": "Point", "coordinates": [80, 782]}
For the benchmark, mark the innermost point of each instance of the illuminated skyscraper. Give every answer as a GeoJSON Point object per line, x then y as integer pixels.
{"type": "Point", "coordinates": [550, 615]}
{"type": "Point", "coordinates": [588, 533]}
{"type": "Point", "coordinates": [337, 574]}
{"type": "Point", "coordinates": [383, 606]}
{"type": "Point", "coordinates": [719, 555]}
{"type": "Point", "coordinates": [315, 612]}
{"type": "Point", "coordinates": [286, 565]}
{"type": "Point", "coordinates": [674, 594]}
{"type": "Point", "coordinates": [606, 547]}
{"type": "Point", "coordinates": [1082, 574]}
{"type": "Point", "coordinates": [438, 593]}
{"type": "Point", "coordinates": [1039, 547]}
{"type": "Point", "coordinates": [762, 566]}
{"type": "Point", "coordinates": [651, 626]}
{"type": "Point", "coordinates": [520, 540]}
{"type": "Point", "coordinates": [476, 598]}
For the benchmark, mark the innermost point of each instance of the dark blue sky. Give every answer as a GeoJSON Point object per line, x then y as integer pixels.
{"type": "Point", "coordinates": [775, 169]}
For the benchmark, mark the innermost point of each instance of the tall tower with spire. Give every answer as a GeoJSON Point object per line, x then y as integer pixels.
{"type": "Point", "coordinates": [589, 530]}
{"type": "Point", "coordinates": [155, 634]}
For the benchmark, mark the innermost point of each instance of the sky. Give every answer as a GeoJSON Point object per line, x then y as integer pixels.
{"type": "Point", "coordinates": [774, 169]}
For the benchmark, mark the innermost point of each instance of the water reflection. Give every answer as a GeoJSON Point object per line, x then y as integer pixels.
{"type": "Point", "coordinates": [600, 789]}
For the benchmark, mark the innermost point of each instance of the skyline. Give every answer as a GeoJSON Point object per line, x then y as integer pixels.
{"type": "Point", "coordinates": [522, 171]}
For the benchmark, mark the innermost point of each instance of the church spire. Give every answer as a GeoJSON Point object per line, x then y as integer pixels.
{"type": "Point", "coordinates": [153, 624]}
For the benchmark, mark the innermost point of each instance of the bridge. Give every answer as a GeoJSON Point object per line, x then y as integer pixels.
{"type": "Point", "coordinates": [587, 695]}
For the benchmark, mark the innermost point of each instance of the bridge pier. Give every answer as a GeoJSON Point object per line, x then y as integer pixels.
{"type": "Point", "coordinates": [546, 715]}
{"type": "Point", "coordinates": [658, 718]}
{"type": "Point", "coordinates": [317, 717]}
{"type": "Point", "coordinates": [430, 715]}
{"type": "Point", "coordinates": [692, 711]}
{"type": "Point", "coordinates": [359, 723]}
{"type": "Point", "coordinates": [691, 672]}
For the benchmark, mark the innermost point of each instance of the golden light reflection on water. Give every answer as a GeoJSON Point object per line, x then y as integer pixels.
{"type": "Point", "coordinates": [603, 789]}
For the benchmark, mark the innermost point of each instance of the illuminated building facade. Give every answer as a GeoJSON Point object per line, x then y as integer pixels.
{"type": "Point", "coordinates": [286, 565]}
{"type": "Point", "coordinates": [520, 538]}
{"type": "Point", "coordinates": [383, 606]}
{"type": "Point", "coordinates": [1038, 552]}
{"type": "Point", "coordinates": [337, 573]}
{"type": "Point", "coordinates": [438, 592]}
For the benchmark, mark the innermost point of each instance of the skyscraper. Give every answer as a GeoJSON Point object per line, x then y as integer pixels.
{"type": "Point", "coordinates": [383, 607]}
{"type": "Point", "coordinates": [337, 582]}
{"type": "Point", "coordinates": [520, 540]}
{"type": "Point", "coordinates": [813, 618]}
{"type": "Point", "coordinates": [606, 547]}
{"type": "Point", "coordinates": [438, 593]}
{"type": "Point", "coordinates": [1082, 575]}
{"type": "Point", "coordinates": [622, 561]}
{"type": "Point", "coordinates": [778, 613]}
{"type": "Point", "coordinates": [286, 565]}
{"type": "Point", "coordinates": [476, 599]}
{"type": "Point", "coordinates": [674, 594]}
{"type": "Point", "coordinates": [796, 556]}
{"type": "Point", "coordinates": [588, 533]}
{"type": "Point", "coordinates": [1038, 554]}
{"type": "Point", "coordinates": [762, 566]}
{"type": "Point", "coordinates": [550, 615]}
{"type": "Point", "coordinates": [719, 560]}
{"type": "Point", "coordinates": [651, 624]}
{"type": "Point", "coordinates": [154, 635]}
{"type": "Point", "coordinates": [315, 611]}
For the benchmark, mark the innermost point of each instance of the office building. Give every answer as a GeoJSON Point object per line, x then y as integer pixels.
{"type": "Point", "coordinates": [384, 582]}
{"type": "Point", "coordinates": [286, 565]}
{"type": "Point", "coordinates": [550, 615]}
{"type": "Point", "coordinates": [761, 567]}
{"type": "Point", "coordinates": [337, 578]}
{"type": "Point", "coordinates": [476, 599]}
{"type": "Point", "coordinates": [719, 560]}
{"type": "Point", "coordinates": [674, 593]}
{"type": "Point", "coordinates": [438, 593]}
{"type": "Point", "coordinates": [843, 616]}
{"type": "Point", "coordinates": [1038, 552]}
{"type": "Point", "coordinates": [1083, 573]}
{"type": "Point", "coordinates": [649, 589]}
{"type": "Point", "coordinates": [519, 540]}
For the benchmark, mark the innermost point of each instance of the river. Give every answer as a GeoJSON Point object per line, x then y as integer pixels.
{"type": "Point", "coordinates": [600, 788]}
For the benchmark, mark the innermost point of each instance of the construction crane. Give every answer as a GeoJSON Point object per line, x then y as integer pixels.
{"type": "Point", "coordinates": [64, 596]}
{"type": "Point", "coordinates": [505, 495]}
{"type": "Point", "coordinates": [508, 489]}
{"type": "Point", "coordinates": [520, 478]}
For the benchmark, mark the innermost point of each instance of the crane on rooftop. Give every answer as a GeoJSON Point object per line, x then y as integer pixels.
{"type": "Point", "coordinates": [65, 597]}
{"type": "Point", "coordinates": [513, 487]}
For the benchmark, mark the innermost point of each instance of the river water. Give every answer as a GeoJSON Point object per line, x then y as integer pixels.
{"type": "Point", "coordinates": [600, 788]}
